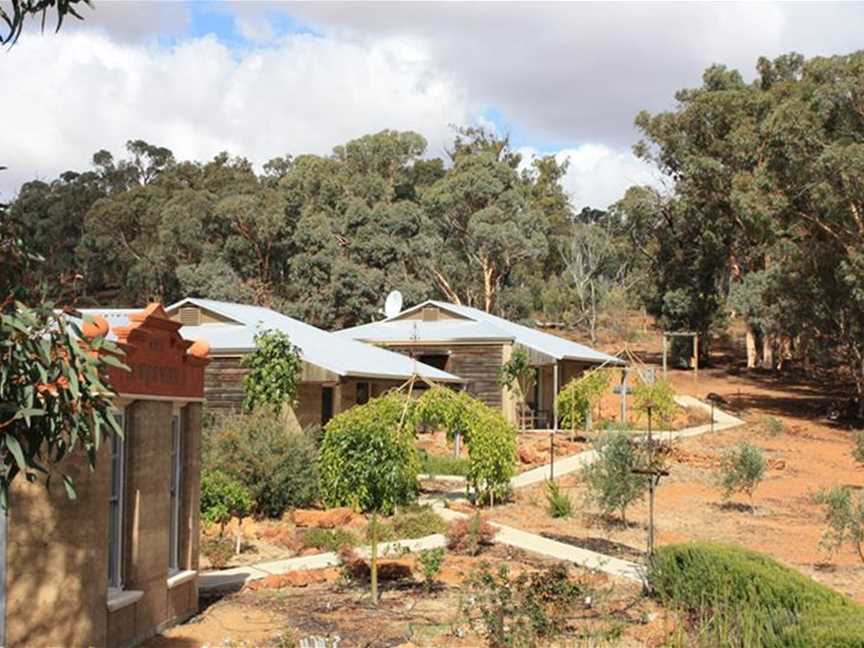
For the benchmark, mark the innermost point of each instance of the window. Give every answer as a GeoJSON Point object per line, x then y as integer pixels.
{"type": "Point", "coordinates": [174, 489]}
{"type": "Point", "coordinates": [326, 404]}
{"type": "Point", "coordinates": [362, 393]}
{"type": "Point", "coordinates": [116, 507]}
{"type": "Point", "coordinates": [437, 360]}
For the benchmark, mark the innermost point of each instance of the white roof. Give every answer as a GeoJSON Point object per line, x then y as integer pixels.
{"type": "Point", "coordinates": [339, 355]}
{"type": "Point", "coordinates": [477, 326]}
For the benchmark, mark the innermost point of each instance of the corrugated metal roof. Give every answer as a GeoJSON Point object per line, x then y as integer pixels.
{"type": "Point", "coordinates": [340, 355]}
{"type": "Point", "coordinates": [478, 325]}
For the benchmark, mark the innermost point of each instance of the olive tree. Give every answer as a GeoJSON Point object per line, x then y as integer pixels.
{"type": "Point", "coordinates": [612, 484]}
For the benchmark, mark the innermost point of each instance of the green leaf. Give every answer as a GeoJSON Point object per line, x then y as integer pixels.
{"type": "Point", "coordinates": [17, 452]}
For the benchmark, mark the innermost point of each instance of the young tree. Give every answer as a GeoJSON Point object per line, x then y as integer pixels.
{"type": "Point", "coordinates": [368, 461]}
{"type": "Point", "coordinates": [610, 479]}
{"type": "Point", "coordinates": [844, 516]}
{"type": "Point", "coordinates": [275, 367]}
{"type": "Point", "coordinates": [741, 470]}
{"type": "Point", "coordinates": [579, 396]}
{"type": "Point", "coordinates": [518, 376]}
{"type": "Point", "coordinates": [222, 499]}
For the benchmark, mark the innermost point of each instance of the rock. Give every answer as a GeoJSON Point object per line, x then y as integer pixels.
{"type": "Point", "coordinates": [329, 519]}
{"type": "Point", "coordinates": [526, 456]}
{"type": "Point", "coordinates": [294, 579]}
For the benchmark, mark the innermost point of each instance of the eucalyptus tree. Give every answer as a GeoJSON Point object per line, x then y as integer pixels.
{"type": "Point", "coordinates": [482, 222]}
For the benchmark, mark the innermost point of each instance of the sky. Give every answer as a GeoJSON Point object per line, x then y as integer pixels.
{"type": "Point", "coordinates": [264, 79]}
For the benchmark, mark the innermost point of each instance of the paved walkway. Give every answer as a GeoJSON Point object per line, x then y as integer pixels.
{"type": "Point", "coordinates": [238, 576]}
{"type": "Point", "coordinates": [553, 549]}
{"type": "Point", "coordinates": [572, 463]}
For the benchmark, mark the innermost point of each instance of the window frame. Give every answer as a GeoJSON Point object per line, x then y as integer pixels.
{"type": "Point", "coordinates": [116, 529]}
{"type": "Point", "coordinates": [175, 491]}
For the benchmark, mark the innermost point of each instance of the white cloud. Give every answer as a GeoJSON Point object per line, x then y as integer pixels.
{"type": "Point", "coordinates": [598, 176]}
{"type": "Point", "coordinates": [79, 92]}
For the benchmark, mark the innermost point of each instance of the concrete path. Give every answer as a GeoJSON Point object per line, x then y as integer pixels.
{"type": "Point", "coordinates": [554, 549]}
{"type": "Point", "coordinates": [237, 577]}
{"type": "Point", "coordinates": [572, 463]}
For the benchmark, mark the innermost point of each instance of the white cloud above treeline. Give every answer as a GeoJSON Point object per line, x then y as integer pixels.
{"type": "Point", "coordinates": [568, 78]}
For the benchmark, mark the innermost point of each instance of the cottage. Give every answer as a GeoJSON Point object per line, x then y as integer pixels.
{"type": "Point", "coordinates": [119, 563]}
{"type": "Point", "coordinates": [475, 345]}
{"type": "Point", "coordinates": [337, 371]}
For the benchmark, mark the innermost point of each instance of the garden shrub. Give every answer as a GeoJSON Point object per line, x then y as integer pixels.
{"type": "Point", "coordinates": [844, 515]}
{"type": "Point", "coordinates": [218, 551]}
{"type": "Point", "coordinates": [430, 562]}
{"type": "Point", "coordinates": [611, 483]}
{"type": "Point", "coordinates": [529, 610]}
{"type": "Point", "coordinates": [738, 597]}
{"type": "Point", "coordinates": [470, 536]}
{"type": "Point", "coordinates": [417, 522]}
{"type": "Point", "coordinates": [277, 466]}
{"type": "Point", "coordinates": [772, 426]}
{"type": "Point", "coordinates": [414, 522]}
{"type": "Point", "coordinates": [741, 470]}
{"type": "Point", "coordinates": [431, 464]}
{"type": "Point", "coordinates": [560, 505]}
{"type": "Point", "coordinates": [329, 539]}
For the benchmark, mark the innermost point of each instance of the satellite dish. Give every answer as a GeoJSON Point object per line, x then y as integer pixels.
{"type": "Point", "coordinates": [393, 305]}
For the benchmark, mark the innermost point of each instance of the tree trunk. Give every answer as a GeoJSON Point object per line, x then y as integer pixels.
{"type": "Point", "coordinates": [238, 541]}
{"type": "Point", "coordinates": [768, 351]}
{"type": "Point", "coordinates": [373, 563]}
{"type": "Point", "coordinates": [750, 342]}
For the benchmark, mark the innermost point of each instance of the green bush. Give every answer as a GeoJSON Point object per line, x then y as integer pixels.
{"type": "Point", "coordinates": [844, 515]}
{"type": "Point", "coordinates": [442, 465]}
{"type": "Point", "coordinates": [223, 498]}
{"type": "Point", "coordinates": [772, 426]}
{"type": "Point", "coordinates": [414, 522]}
{"type": "Point", "coordinates": [560, 505]}
{"type": "Point", "coordinates": [329, 539]}
{"type": "Point", "coordinates": [741, 470]}
{"type": "Point", "coordinates": [612, 485]}
{"type": "Point", "coordinates": [278, 467]}
{"type": "Point", "coordinates": [430, 562]}
{"type": "Point", "coordinates": [417, 522]}
{"type": "Point", "coordinates": [736, 597]}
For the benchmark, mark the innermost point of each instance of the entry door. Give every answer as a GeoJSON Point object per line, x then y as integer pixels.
{"type": "Point", "coordinates": [326, 404]}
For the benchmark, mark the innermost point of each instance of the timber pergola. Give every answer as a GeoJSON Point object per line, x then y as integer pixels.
{"type": "Point", "coordinates": [690, 334]}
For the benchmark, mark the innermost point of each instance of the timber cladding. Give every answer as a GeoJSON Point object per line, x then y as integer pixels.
{"type": "Point", "coordinates": [479, 365]}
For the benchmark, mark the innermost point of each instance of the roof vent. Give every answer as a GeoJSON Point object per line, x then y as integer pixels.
{"type": "Point", "coordinates": [190, 316]}
{"type": "Point", "coordinates": [430, 314]}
